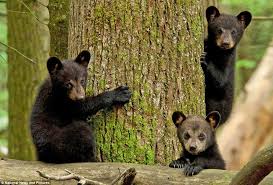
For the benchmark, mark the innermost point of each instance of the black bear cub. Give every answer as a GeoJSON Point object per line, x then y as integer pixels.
{"type": "Point", "coordinates": [58, 120]}
{"type": "Point", "coordinates": [224, 33]}
{"type": "Point", "coordinates": [197, 137]}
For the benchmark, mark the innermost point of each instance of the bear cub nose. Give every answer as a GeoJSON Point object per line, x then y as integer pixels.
{"type": "Point", "coordinates": [192, 148]}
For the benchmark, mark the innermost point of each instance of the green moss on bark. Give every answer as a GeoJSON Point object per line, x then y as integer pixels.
{"type": "Point", "coordinates": [58, 26]}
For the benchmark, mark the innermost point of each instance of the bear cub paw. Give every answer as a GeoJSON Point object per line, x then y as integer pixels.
{"type": "Point", "coordinates": [177, 164]}
{"type": "Point", "coordinates": [121, 95]}
{"type": "Point", "coordinates": [191, 170]}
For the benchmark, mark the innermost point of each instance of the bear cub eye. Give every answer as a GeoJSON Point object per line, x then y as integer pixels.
{"type": "Point", "coordinates": [69, 85]}
{"type": "Point", "coordinates": [186, 136]}
{"type": "Point", "coordinates": [201, 137]}
{"type": "Point", "coordinates": [82, 82]}
{"type": "Point", "coordinates": [220, 31]}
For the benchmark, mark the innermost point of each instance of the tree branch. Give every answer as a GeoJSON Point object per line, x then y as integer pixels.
{"type": "Point", "coordinates": [14, 11]}
{"type": "Point", "coordinates": [30, 11]}
{"type": "Point", "coordinates": [255, 170]}
{"type": "Point", "coordinates": [14, 49]}
{"type": "Point", "coordinates": [262, 18]}
{"type": "Point", "coordinates": [3, 58]}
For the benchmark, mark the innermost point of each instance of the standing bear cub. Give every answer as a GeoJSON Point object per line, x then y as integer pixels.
{"type": "Point", "coordinates": [224, 33]}
{"type": "Point", "coordinates": [197, 137]}
{"type": "Point", "coordinates": [58, 120]}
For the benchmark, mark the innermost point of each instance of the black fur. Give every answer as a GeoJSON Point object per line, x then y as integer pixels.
{"type": "Point", "coordinates": [219, 60]}
{"type": "Point", "coordinates": [210, 157]}
{"type": "Point", "coordinates": [58, 123]}
{"type": "Point", "coordinates": [193, 164]}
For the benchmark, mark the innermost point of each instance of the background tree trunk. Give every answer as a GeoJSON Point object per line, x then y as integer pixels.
{"type": "Point", "coordinates": [58, 27]}
{"type": "Point", "coordinates": [24, 76]}
{"type": "Point", "coordinates": [153, 47]}
{"type": "Point", "coordinates": [250, 126]}
{"type": "Point", "coordinates": [208, 3]}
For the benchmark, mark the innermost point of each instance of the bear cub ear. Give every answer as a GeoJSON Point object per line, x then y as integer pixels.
{"type": "Point", "coordinates": [53, 65]}
{"type": "Point", "coordinates": [83, 58]}
{"type": "Point", "coordinates": [178, 117]}
{"type": "Point", "coordinates": [211, 13]}
{"type": "Point", "coordinates": [214, 119]}
{"type": "Point", "coordinates": [244, 18]}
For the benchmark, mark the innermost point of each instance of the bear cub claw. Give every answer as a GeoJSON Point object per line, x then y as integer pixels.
{"type": "Point", "coordinates": [191, 170]}
{"type": "Point", "coordinates": [177, 164]}
{"type": "Point", "coordinates": [121, 95]}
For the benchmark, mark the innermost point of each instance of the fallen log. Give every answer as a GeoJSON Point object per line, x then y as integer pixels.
{"type": "Point", "coordinates": [26, 172]}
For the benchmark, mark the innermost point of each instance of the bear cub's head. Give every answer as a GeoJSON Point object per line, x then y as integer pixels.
{"type": "Point", "coordinates": [196, 133]}
{"type": "Point", "coordinates": [226, 30]}
{"type": "Point", "coordinates": [69, 77]}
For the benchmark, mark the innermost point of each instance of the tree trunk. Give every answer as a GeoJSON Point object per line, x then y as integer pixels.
{"type": "Point", "coordinates": [250, 126]}
{"type": "Point", "coordinates": [13, 170]}
{"type": "Point", "coordinates": [153, 47]}
{"type": "Point", "coordinates": [29, 34]}
{"type": "Point", "coordinates": [58, 27]}
{"type": "Point", "coordinates": [208, 3]}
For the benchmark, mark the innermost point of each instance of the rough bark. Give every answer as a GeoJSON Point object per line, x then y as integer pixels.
{"type": "Point", "coordinates": [154, 48]}
{"type": "Point", "coordinates": [208, 3]}
{"type": "Point", "coordinates": [13, 170]}
{"type": "Point", "coordinates": [58, 27]}
{"type": "Point", "coordinates": [255, 170]}
{"type": "Point", "coordinates": [250, 126]}
{"type": "Point", "coordinates": [28, 33]}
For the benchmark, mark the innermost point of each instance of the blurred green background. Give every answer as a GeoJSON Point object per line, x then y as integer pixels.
{"type": "Point", "coordinates": [3, 81]}
{"type": "Point", "coordinates": [250, 51]}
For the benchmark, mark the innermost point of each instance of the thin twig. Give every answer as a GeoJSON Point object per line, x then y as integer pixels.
{"type": "Point", "coordinates": [262, 18]}
{"type": "Point", "coordinates": [45, 5]}
{"type": "Point", "coordinates": [3, 58]}
{"type": "Point", "coordinates": [14, 49]}
{"type": "Point", "coordinates": [30, 11]}
{"type": "Point", "coordinates": [81, 180]}
{"type": "Point", "coordinates": [126, 178]}
{"type": "Point", "coordinates": [14, 11]}
{"type": "Point", "coordinates": [57, 178]}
